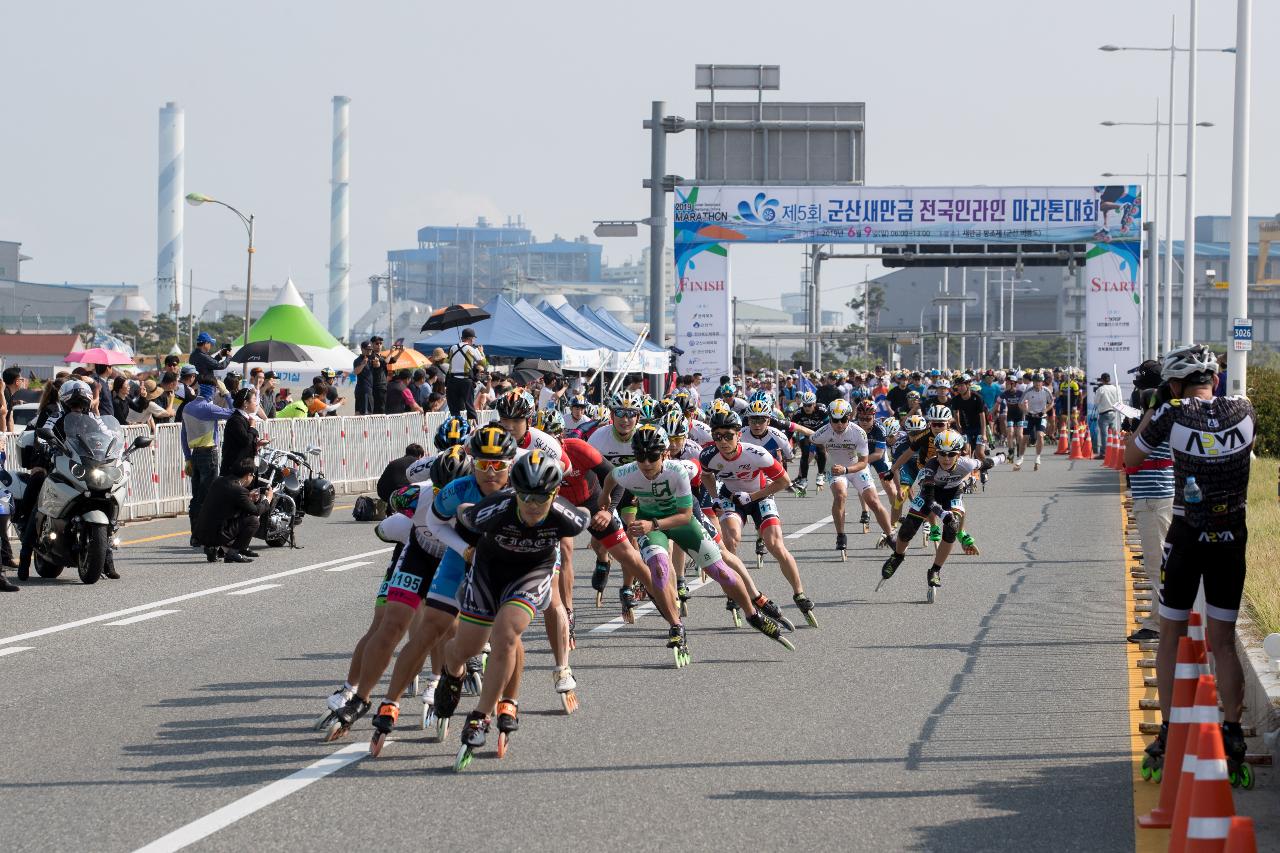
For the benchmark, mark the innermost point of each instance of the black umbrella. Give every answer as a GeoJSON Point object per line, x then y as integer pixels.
{"type": "Point", "coordinates": [524, 376]}
{"type": "Point", "coordinates": [539, 364]}
{"type": "Point", "coordinates": [453, 316]}
{"type": "Point", "coordinates": [268, 351]}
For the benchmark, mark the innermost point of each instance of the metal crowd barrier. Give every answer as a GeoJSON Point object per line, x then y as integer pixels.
{"type": "Point", "coordinates": [353, 452]}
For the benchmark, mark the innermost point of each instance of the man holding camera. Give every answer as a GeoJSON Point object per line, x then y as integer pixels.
{"type": "Point", "coordinates": [464, 359]}
{"type": "Point", "coordinates": [204, 363]}
{"type": "Point", "coordinates": [1211, 439]}
{"type": "Point", "coordinates": [232, 514]}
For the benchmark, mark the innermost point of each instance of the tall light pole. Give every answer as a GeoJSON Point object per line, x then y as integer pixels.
{"type": "Point", "coordinates": [197, 199]}
{"type": "Point", "coordinates": [1189, 229]}
{"type": "Point", "coordinates": [1238, 292]}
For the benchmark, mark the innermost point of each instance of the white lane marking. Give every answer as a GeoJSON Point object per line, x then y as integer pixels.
{"type": "Point", "coordinates": [66, 626]}
{"type": "Point", "coordinates": [643, 610]}
{"type": "Point", "coordinates": [349, 566]}
{"type": "Point", "coordinates": [251, 590]}
{"type": "Point", "coordinates": [812, 527]}
{"type": "Point", "coordinates": [142, 617]}
{"type": "Point", "coordinates": [13, 650]}
{"type": "Point", "coordinates": [260, 799]}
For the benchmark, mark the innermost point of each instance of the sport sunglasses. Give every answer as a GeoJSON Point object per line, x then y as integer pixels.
{"type": "Point", "coordinates": [723, 436]}
{"type": "Point", "coordinates": [492, 464]}
{"type": "Point", "coordinates": [530, 498]}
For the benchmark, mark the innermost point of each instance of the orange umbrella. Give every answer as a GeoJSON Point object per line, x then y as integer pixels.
{"type": "Point", "coordinates": [408, 359]}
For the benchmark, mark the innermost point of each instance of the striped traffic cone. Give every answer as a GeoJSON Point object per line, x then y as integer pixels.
{"type": "Point", "coordinates": [1195, 630]}
{"type": "Point", "coordinates": [1118, 464]}
{"type": "Point", "coordinates": [1109, 450]}
{"type": "Point", "coordinates": [1186, 676]}
{"type": "Point", "coordinates": [1206, 708]}
{"type": "Point", "coordinates": [1240, 836]}
{"type": "Point", "coordinates": [1077, 444]}
{"type": "Point", "coordinates": [1063, 442]}
{"type": "Point", "coordinates": [1211, 804]}
{"type": "Point", "coordinates": [1088, 442]}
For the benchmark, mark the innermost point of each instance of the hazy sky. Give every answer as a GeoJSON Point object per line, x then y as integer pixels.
{"type": "Point", "coordinates": [534, 109]}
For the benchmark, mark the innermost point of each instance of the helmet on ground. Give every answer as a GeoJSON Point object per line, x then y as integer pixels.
{"type": "Point", "coordinates": [760, 409]}
{"type": "Point", "coordinates": [840, 410]}
{"type": "Point", "coordinates": [452, 431]}
{"type": "Point", "coordinates": [405, 499]}
{"type": "Point", "coordinates": [1182, 363]}
{"type": "Point", "coordinates": [725, 420]}
{"type": "Point", "coordinates": [675, 424]}
{"type": "Point", "coordinates": [649, 438]}
{"type": "Point", "coordinates": [550, 421]}
{"type": "Point", "coordinates": [808, 398]}
{"type": "Point", "coordinates": [890, 426]}
{"type": "Point", "coordinates": [948, 441]}
{"type": "Point", "coordinates": [449, 466]}
{"type": "Point", "coordinates": [491, 442]}
{"type": "Point", "coordinates": [73, 391]}
{"type": "Point", "coordinates": [626, 401]}
{"type": "Point", "coordinates": [865, 409]}
{"type": "Point", "coordinates": [915, 423]}
{"type": "Point", "coordinates": [536, 473]}
{"type": "Point", "coordinates": [938, 413]}
{"type": "Point", "coordinates": [514, 405]}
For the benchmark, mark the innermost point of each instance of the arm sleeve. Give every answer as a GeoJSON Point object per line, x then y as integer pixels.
{"type": "Point", "coordinates": [442, 509]}
{"type": "Point", "coordinates": [1157, 430]}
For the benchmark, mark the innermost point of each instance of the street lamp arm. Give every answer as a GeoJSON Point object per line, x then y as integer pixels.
{"type": "Point", "coordinates": [1113, 48]}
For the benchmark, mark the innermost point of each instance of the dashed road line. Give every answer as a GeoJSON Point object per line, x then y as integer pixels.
{"type": "Point", "coordinates": [251, 590]}
{"type": "Point", "coordinates": [349, 566]}
{"type": "Point", "coordinates": [809, 529]}
{"type": "Point", "coordinates": [142, 617]}
{"type": "Point", "coordinates": [13, 650]}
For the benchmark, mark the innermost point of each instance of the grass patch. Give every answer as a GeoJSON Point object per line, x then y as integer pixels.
{"type": "Point", "coordinates": [1262, 583]}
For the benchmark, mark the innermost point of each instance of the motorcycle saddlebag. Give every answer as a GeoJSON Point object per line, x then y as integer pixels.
{"type": "Point", "coordinates": [318, 497]}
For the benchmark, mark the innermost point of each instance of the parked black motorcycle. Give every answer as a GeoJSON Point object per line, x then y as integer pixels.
{"type": "Point", "coordinates": [300, 491]}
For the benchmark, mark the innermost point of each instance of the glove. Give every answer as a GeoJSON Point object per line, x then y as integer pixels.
{"type": "Point", "coordinates": [742, 498]}
{"type": "Point", "coordinates": [188, 469]}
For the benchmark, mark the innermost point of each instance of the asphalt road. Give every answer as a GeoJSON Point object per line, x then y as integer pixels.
{"type": "Point", "coordinates": [167, 705]}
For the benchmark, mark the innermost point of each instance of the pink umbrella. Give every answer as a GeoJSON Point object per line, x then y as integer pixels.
{"type": "Point", "coordinates": [97, 355]}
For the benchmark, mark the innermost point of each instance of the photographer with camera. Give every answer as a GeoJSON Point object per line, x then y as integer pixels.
{"type": "Point", "coordinates": [1106, 397]}
{"type": "Point", "coordinates": [204, 363]}
{"type": "Point", "coordinates": [1211, 439]}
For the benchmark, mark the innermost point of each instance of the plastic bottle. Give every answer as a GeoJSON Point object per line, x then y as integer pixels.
{"type": "Point", "coordinates": [1191, 493]}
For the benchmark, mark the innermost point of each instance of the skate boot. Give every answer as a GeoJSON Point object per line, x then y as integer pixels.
{"type": "Point", "coordinates": [806, 607]}
{"type": "Point", "coordinates": [803, 483]}
{"type": "Point", "coordinates": [768, 608]}
{"type": "Point", "coordinates": [798, 490]}
{"type": "Point", "coordinates": [887, 540]}
{"type": "Point", "coordinates": [383, 723]}
{"type": "Point", "coordinates": [444, 702]}
{"type": "Point", "coordinates": [935, 533]}
{"type": "Point", "coordinates": [770, 629]}
{"type": "Point", "coordinates": [842, 545]}
{"type": "Point", "coordinates": [473, 737]}
{"type": "Point", "coordinates": [336, 700]}
{"type": "Point", "coordinates": [821, 481]}
{"type": "Point", "coordinates": [1037, 465]}
{"type": "Point", "coordinates": [573, 636]}
{"type": "Point", "coordinates": [472, 681]}
{"type": "Point", "coordinates": [1017, 463]}
{"type": "Point", "coordinates": [428, 697]}
{"type": "Point", "coordinates": [600, 580]}
{"type": "Point", "coordinates": [935, 582]}
{"type": "Point", "coordinates": [1239, 773]}
{"type": "Point", "coordinates": [967, 543]}
{"type": "Point", "coordinates": [734, 611]}
{"type": "Point", "coordinates": [566, 686]}
{"type": "Point", "coordinates": [1153, 760]}
{"type": "Point", "coordinates": [508, 724]}
{"type": "Point", "coordinates": [865, 521]}
{"type": "Point", "coordinates": [345, 718]}
{"type": "Point", "coordinates": [682, 593]}
{"type": "Point", "coordinates": [890, 566]}
{"type": "Point", "coordinates": [760, 552]}
{"type": "Point", "coordinates": [679, 645]}
{"type": "Point", "coordinates": [628, 600]}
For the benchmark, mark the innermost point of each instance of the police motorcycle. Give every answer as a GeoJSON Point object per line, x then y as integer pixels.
{"type": "Point", "coordinates": [300, 491]}
{"type": "Point", "coordinates": [79, 504]}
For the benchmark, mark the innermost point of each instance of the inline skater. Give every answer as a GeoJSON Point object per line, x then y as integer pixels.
{"type": "Point", "coordinates": [1212, 441]}
{"type": "Point", "coordinates": [614, 444]}
{"type": "Point", "coordinates": [761, 433]}
{"type": "Point", "coordinates": [972, 412]}
{"type": "Point", "coordinates": [940, 482]}
{"type": "Point", "coordinates": [577, 413]}
{"type": "Point", "coordinates": [1014, 420]}
{"type": "Point", "coordinates": [740, 467]}
{"type": "Point", "coordinates": [1037, 402]}
{"type": "Point", "coordinates": [515, 536]}
{"type": "Point", "coordinates": [850, 453]}
{"type": "Point", "coordinates": [811, 415]}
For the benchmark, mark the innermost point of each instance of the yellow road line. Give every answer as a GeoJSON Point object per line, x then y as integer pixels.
{"type": "Point", "coordinates": [1146, 795]}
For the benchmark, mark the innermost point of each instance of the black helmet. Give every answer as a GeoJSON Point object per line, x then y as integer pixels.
{"type": "Point", "coordinates": [536, 473]}
{"type": "Point", "coordinates": [1147, 375]}
{"type": "Point", "coordinates": [514, 405]}
{"type": "Point", "coordinates": [491, 442]}
{"type": "Point", "coordinates": [649, 438]}
{"type": "Point", "coordinates": [449, 466]}
{"type": "Point", "coordinates": [726, 420]}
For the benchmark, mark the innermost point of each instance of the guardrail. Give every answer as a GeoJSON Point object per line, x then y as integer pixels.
{"type": "Point", "coordinates": [353, 452]}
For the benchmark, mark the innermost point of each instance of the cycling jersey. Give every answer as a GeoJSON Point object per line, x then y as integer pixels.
{"type": "Point", "coordinates": [843, 448]}
{"type": "Point", "coordinates": [774, 440]}
{"type": "Point", "coordinates": [585, 467]}
{"type": "Point", "coordinates": [969, 412]}
{"type": "Point", "coordinates": [668, 493]}
{"type": "Point", "coordinates": [536, 439]}
{"type": "Point", "coordinates": [612, 446]}
{"type": "Point", "coordinates": [699, 433]}
{"type": "Point", "coordinates": [1011, 401]}
{"type": "Point", "coordinates": [877, 440]}
{"type": "Point", "coordinates": [1211, 440]}
{"type": "Point", "coordinates": [810, 420]}
{"type": "Point", "coordinates": [443, 593]}
{"type": "Point", "coordinates": [420, 471]}
{"type": "Point", "coordinates": [745, 471]}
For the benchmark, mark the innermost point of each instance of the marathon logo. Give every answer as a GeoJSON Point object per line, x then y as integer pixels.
{"type": "Point", "coordinates": [1209, 444]}
{"type": "Point", "coordinates": [1217, 537]}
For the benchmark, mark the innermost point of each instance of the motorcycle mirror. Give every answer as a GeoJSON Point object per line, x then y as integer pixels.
{"type": "Point", "coordinates": [142, 441]}
{"type": "Point", "coordinates": [46, 433]}
{"type": "Point", "coordinates": [314, 450]}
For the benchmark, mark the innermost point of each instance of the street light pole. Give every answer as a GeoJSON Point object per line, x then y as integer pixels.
{"type": "Point", "coordinates": [248, 282]}
{"type": "Point", "coordinates": [1188, 233]}
{"type": "Point", "coordinates": [1168, 200]}
{"type": "Point", "coordinates": [1238, 291]}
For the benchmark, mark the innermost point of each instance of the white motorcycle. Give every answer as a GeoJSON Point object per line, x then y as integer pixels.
{"type": "Point", "coordinates": [81, 498]}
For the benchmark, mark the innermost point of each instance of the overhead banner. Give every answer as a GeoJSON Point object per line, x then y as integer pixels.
{"type": "Point", "coordinates": [710, 219]}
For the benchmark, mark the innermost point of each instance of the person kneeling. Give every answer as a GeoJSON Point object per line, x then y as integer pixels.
{"type": "Point", "coordinates": [231, 515]}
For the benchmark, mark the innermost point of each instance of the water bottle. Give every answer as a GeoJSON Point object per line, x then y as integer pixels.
{"type": "Point", "coordinates": [1191, 493]}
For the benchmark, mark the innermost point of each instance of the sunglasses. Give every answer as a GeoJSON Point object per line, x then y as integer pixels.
{"type": "Point", "coordinates": [528, 498]}
{"type": "Point", "coordinates": [937, 426]}
{"type": "Point", "coordinates": [723, 436]}
{"type": "Point", "coordinates": [492, 464]}
{"type": "Point", "coordinates": [865, 419]}
{"type": "Point", "coordinates": [626, 413]}
{"type": "Point", "coordinates": [948, 455]}
{"type": "Point", "coordinates": [839, 420]}
{"type": "Point", "coordinates": [653, 456]}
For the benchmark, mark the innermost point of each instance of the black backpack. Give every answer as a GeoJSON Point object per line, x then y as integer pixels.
{"type": "Point", "coordinates": [367, 509]}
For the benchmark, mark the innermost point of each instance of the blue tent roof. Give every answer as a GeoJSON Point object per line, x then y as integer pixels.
{"type": "Point", "coordinates": [506, 334]}
{"type": "Point", "coordinates": [553, 329]}
{"type": "Point", "coordinates": [586, 323]}
{"type": "Point", "coordinates": [612, 322]}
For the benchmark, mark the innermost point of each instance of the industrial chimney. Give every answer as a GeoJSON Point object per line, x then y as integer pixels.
{"type": "Point", "coordinates": [169, 219]}
{"type": "Point", "coordinates": [339, 250]}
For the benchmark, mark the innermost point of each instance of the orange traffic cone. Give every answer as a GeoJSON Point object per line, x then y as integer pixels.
{"type": "Point", "coordinates": [1186, 676]}
{"type": "Point", "coordinates": [1088, 442]}
{"type": "Point", "coordinates": [1119, 462]}
{"type": "Point", "coordinates": [1195, 630]}
{"type": "Point", "coordinates": [1240, 836]}
{"type": "Point", "coordinates": [1108, 449]}
{"type": "Point", "coordinates": [1077, 444]}
{"type": "Point", "coordinates": [1205, 713]}
{"type": "Point", "coordinates": [1211, 804]}
{"type": "Point", "coordinates": [1063, 442]}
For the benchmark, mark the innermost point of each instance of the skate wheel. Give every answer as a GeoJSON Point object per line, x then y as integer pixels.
{"type": "Point", "coordinates": [759, 561]}
{"type": "Point", "coordinates": [465, 754]}
{"type": "Point", "coordinates": [684, 608]}
{"type": "Point", "coordinates": [335, 731]}
{"type": "Point", "coordinates": [1157, 775]}
{"type": "Point", "coordinates": [573, 643]}
{"type": "Point", "coordinates": [426, 717]}
{"type": "Point", "coordinates": [737, 619]}
{"type": "Point", "coordinates": [375, 744]}
{"type": "Point", "coordinates": [599, 598]}
{"type": "Point", "coordinates": [484, 659]}
{"type": "Point", "coordinates": [442, 729]}
{"type": "Point", "coordinates": [844, 555]}
{"type": "Point", "coordinates": [416, 685]}
{"type": "Point", "coordinates": [570, 701]}
{"type": "Point", "coordinates": [786, 623]}
{"type": "Point", "coordinates": [933, 594]}
{"type": "Point", "coordinates": [703, 576]}
{"type": "Point", "coordinates": [503, 740]}
{"type": "Point", "coordinates": [322, 721]}
{"type": "Point", "coordinates": [1242, 777]}
{"type": "Point", "coordinates": [629, 616]}
{"type": "Point", "coordinates": [1147, 772]}
{"type": "Point", "coordinates": [866, 528]}
{"type": "Point", "coordinates": [811, 619]}
{"type": "Point", "coordinates": [785, 642]}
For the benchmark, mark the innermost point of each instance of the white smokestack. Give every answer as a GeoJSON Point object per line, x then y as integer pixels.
{"type": "Point", "coordinates": [169, 219]}
{"type": "Point", "coordinates": [339, 250]}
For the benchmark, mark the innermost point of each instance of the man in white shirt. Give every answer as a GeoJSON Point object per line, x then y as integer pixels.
{"type": "Point", "coordinates": [1105, 399]}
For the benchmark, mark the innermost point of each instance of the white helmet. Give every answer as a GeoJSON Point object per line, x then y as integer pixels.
{"type": "Point", "coordinates": [840, 410]}
{"type": "Point", "coordinates": [1184, 362]}
{"type": "Point", "coordinates": [72, 390]}
{"type": "Point", "coordinates": [948, 441]}
{"type": "Point", "coordinates": [938, 413]}
{"type": "Point", "coordinates": [890, 426]}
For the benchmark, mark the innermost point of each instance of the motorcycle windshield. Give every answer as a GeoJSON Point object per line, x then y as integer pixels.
{"type": "Point", "coordinates": [90, 437]}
